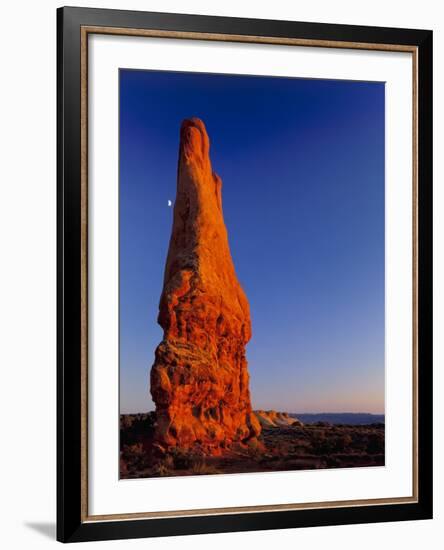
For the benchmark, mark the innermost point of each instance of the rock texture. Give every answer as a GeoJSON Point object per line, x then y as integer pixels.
{"type": "Point", "coordinates": [200, 380]}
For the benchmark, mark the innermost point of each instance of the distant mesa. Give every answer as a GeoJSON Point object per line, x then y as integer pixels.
{"type": "Point", "coordinates": [353, 419]}
{"type": "Point", "coordinates": [200, 379]}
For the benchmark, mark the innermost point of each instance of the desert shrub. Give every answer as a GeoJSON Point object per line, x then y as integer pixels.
{"type": "Point", "coordinates": [255, 449]}
{"type": "Point", "coordinates": [343, 442]}
{"type": "Point", "coordinates": [359, 441]}
{"type": "Point", "coordinates": [126, 421]}
{"type": "Point", "coordinates": [133, 451]}
{"type": "Point", "coordinates": [322, 444]}
{"type": "Point", "coordinates": [200, 467]}
{"type": "Point", "coordinates": [375, 444]}
{"type": "Point", "coordinates": [332, 462]}
{"type": "Point", "coordinates": [123, 467]}
{"type": "Point", "coordinates": [134, 427]}
{"type": "Point", "coordinates": [160, 470]}
{"type": "Point", "coordinates": [182, 460]}
{"type": "Point", "coordinates": [164, 467]}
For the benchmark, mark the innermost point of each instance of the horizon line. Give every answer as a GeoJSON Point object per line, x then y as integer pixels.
{"type": "Point", "coordinates": [288, 412]}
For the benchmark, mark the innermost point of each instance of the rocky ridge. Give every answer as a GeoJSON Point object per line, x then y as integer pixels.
{"type": "Point", "coordinates": [274, 419]}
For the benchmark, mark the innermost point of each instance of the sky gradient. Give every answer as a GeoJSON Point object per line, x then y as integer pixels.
{"type": "Point", "coordinates": [302, 165]}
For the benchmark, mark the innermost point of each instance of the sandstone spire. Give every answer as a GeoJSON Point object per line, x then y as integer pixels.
{"type": "Point", "coordinates": [199, 380]}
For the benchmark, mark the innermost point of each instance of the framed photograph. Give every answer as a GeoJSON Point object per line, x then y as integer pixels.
{"type": "Point", "coordinates": [244, 274]}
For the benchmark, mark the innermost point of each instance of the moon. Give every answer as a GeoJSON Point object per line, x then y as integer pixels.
{"type": "Point", "coordinates": [169, 203]}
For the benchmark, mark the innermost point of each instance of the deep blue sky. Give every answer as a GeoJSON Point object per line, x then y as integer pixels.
{"type": "Point", "coordinates": [302, 164]}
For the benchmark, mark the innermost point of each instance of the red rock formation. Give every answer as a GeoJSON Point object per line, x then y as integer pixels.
{"type": "Point", "coordinates": [199, 380]}
{"type": "Point", "coordinates": [274, 419]}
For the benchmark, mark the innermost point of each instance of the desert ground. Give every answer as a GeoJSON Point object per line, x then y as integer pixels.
{"type": "Point", "coordinates": [282, 445]}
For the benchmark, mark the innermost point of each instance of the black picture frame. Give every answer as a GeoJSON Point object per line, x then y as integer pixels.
{"type": "Point", "coordinates": [71, 524]}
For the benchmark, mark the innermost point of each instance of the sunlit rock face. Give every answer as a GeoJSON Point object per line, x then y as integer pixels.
{"type": "Point", "coordinates": [200, 380]}
{"type": "Point", "coordinates": [274, 419]}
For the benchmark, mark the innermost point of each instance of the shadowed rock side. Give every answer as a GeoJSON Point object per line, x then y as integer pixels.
{"type": "Point", "coordinates": [200, 380]}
